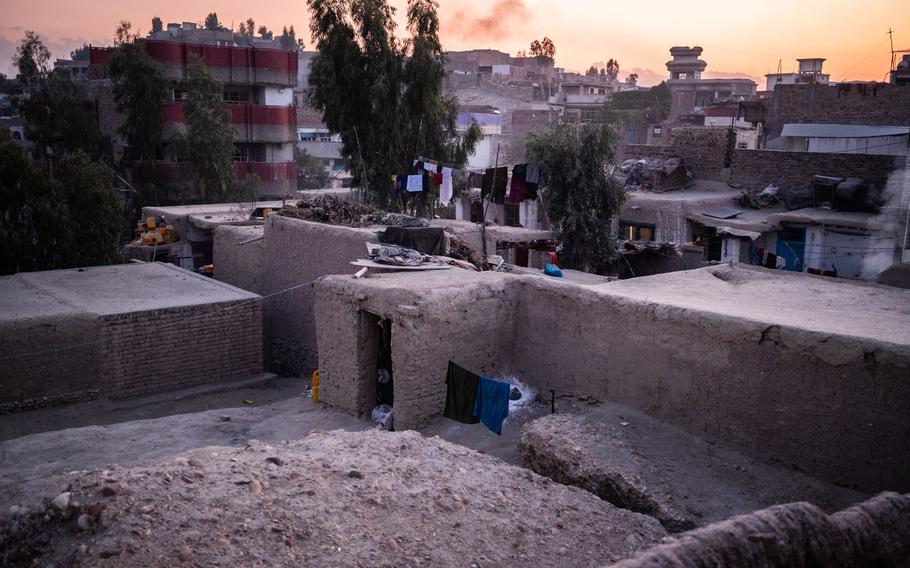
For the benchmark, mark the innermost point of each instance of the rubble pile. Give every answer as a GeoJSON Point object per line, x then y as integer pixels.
{"type": "Point", "coordinates": [331, 499]}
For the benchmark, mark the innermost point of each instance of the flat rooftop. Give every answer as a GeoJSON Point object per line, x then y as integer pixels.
{"type": "Point", "coordinates": [806, 302]}
{"type": "Point", "coordinates": [776, 297]}
{"type": "Point", "coordinates": [107, 290]}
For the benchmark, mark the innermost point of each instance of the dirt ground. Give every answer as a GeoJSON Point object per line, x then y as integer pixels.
{"type": "Point", "coordinates": [712, 481]}
{"type": "Point", "coordinates": [332, 499]}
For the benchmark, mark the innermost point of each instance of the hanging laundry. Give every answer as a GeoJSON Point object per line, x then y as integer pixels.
{"type": "Point", "coordinates": [461, 392]}
{"type": "Point", "coordinates": [495, 181]}
{"type": "Point", "coordinates": [419, 165]}
{"type": "Point", "coordinates": [492, 403]}
{"type": "Point", "coordinates": [445, 190]}
{"type": "Point", "coordinates": [401, 183]}
{"type": "Point", "coordinates": [447, 172]}
{"type": "Point", "coordinates": [437, 179]}
{"type": "Point", "coordinates": [475, 179]}
{"type": "Point", "coordinates": [415, 183]}
{"type": "Point", "coordinates": [517, 186]}
{"type": "Point", "coordinates": [532, 179]}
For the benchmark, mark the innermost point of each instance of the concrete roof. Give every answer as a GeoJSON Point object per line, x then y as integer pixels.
{"type": "Point", "coordinates": [776, 297]}
{"type": "Point", "coordinates": [107, 290]}
{"type": "Point", "coordinates": [842, 131]}
{"type": "Point", "coordinates": [769, 297]}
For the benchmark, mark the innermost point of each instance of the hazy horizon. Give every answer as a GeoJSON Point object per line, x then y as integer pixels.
{"type": "Point", "coordinates": [743, 42]}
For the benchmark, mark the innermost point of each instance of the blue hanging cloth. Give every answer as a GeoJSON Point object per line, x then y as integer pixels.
{"type": "Point", "coordinates": [492, 403]}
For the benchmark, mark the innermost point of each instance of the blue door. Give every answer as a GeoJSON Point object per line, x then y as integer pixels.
{"type": "Point", "coordinates": [791, 247]}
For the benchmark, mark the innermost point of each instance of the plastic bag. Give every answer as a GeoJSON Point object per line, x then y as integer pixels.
{"type": "Point", "coordinates": [382, 417]}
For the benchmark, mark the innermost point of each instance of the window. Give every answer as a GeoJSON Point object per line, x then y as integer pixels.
{"type": "Point", "coordinates": [511, 214]}
{"type": "Point", "coordinates": [235, 97]}
{"type": "Point", "coordinates": [658, 130]}
{"type": "Point", "coordinates": [741, 145]}
{"type": "Point", "coordinates": [631, 231]}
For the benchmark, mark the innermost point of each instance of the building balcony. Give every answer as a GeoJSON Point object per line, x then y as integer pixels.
{"type": "Point", "coordinates": [252, 123]}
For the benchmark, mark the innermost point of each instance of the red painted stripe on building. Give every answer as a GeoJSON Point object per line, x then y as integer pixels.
{"type": "Point", "coordinates": [216, 55]}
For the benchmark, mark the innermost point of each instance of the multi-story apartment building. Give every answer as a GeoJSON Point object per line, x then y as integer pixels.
{"type": "Point", "coordinates": [258, 92]}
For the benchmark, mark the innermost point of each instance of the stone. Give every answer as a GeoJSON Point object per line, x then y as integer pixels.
{"type": "Point", "coordinates": [393, 545]}
{"type": "Point", "coordinates": [256, 487]}
{"type": "Point", "coordinates": [275, 460]}
{"type": "Point", "coordinates": [185, 553]}
{"type": "Point", "coordinates": [196, 463]}
{"type": "Point", "coordinates": [62, 501]}
{"type": "Point", "coordinates": [84, 521]}
{"type": "Point", "coordinates": [108, 491]}
{"type": "Point", "coordinates": [354, 474]}
{"type": "Point", "coordinates": [563, 551]}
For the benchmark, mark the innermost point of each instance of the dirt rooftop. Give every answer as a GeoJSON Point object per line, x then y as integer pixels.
{"type": "Point", "coordinates": [114, 289]}
{"type": "Point", "coordinates": [331, 499]}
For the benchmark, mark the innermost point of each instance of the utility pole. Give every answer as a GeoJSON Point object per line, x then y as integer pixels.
{"type": "Point", "coordinates": [483, 222]}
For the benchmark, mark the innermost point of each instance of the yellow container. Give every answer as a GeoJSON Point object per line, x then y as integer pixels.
{"type": "Point", "coordinates": [316, 385]}
{"type": "Point", "coordinates": [150, 222]}
{"type": "Point", "coordinates": [266, 213]}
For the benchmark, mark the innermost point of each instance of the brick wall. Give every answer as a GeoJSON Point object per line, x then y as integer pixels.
{"type": "Point", "coordinates": [886, 105]}
{"type": "Point", "coordinates": [703, 150]}
{"type": "Point", "coordinates": [160, 350]}
{"type": "Point", "coordinates": [758, 168]}
{"type": "Point", "coordinates": [132, 354]}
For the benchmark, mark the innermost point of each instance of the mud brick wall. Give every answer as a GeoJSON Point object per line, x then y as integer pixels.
{"type": "Point", "coordinates": [756, 169]}
{"type": "Point", "coordinates": [470, 324]}
{"type": "Point", "coordinates": [82, 356]}
{"type": "Point", "coordinates": [887, 105]}
{"type": "Point", "coordinates": [159, 350]}
{"type": "Point", "coordinates": [703, 150]}
{"type": "Point", "coordinates": [296, 254]}
{"type": "Point", "coordinates": [47, 361]}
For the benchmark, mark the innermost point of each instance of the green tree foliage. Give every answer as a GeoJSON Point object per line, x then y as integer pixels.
{"type": "Point", "coordinates": [289, 39]}
{"type": "Point", "coordinates": [94, 214]}
{"type": "Point", "coordinates": [158, 25]}
{"type": "Point", "coordinates": [264, 33]}
{"type": "Point", "coordinates": [31, 58]}
{"type": "Point", "coordinates": [310, 172]}
{"type": "Point", "coordinates": [384, 95]}
{"type": "Point", "coordinates": [124, 33]}
{"type": "Point", "coordinates": [211, 22]}
{"type": "Point", "coordinates": [581, 197]}
{"type": "Point", "coordinates": [612, 69]}
{"type": "Point", "coordinates": [74, 221]}
{"type": "Point", "coordinates": [543, 48]}
{"type": "Point", "coordinates": [81, 53]}
{"type": "Point", "coordinates": [646, 106]}
{"type": "Point", "coordinates": [208, 146]}
{"type": "Point", "coordinates": [139, 89]}
{"type": "Point", "coordinates": [57, 118]}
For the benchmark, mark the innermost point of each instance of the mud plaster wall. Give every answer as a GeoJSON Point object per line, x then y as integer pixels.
{"type": "Point", "coordinates": [780, 393]}
{"type": "Point", "coordinates": [470, 324]}
{"type": "Point", "coordinates": [298, 252]}
{"type": "Point", "coordinates": [238, 258]}
{"type": "Point", "coordinates": [832, 406]}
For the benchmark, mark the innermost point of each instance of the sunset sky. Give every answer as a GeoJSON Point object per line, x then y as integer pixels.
{"type": "Point", "coordinates": [743, 39]}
